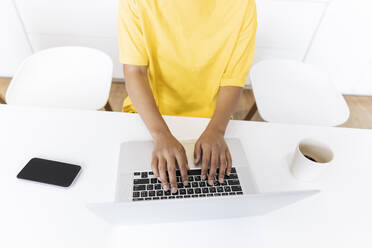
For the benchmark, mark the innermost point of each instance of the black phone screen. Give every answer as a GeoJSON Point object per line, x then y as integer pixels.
{"type": "Point", "coordinates": [48, 171]}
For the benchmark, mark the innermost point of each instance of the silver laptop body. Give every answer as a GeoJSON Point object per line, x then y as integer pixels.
{"type": "Point", "coordinates": [135, 156]}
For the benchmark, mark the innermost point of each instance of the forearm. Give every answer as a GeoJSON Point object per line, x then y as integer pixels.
{"type": "Point", "coordinates": [140, 93]}
{"type": "Point", "coordinates": [227, 99]}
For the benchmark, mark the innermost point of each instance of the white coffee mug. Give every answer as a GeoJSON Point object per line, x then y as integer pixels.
{"type": "Point", "coordinates": [310, 159]}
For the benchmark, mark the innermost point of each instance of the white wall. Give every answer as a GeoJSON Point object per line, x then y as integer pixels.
{"type": "Point", "coordinates": [286, 28]}
{"type": "Point", "coordinates": [91, 23]}
{"type": "Point", "coordinates": [14, 45]}
{"type": "Point", "coordinates": [343, 46]}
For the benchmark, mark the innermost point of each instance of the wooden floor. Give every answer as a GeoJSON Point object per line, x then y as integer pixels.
{"type": "Point", "coordinates": [360, 106]}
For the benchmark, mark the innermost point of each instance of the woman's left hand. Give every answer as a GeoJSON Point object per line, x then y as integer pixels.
{"type": "Point", "coordinates": [211, 149]}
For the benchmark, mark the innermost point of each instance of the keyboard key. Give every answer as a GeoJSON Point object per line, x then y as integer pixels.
{"type": "Point", "coordinates": [236, 188]}
{"type": "Point", "coordinates": [216, 183]}
{"type": "Point", "coordinates": [191, 179]}
{"type": "Point", "coordinates": [171, 197]}
{"type": "Point", "coordinates": [232, 193]}
{"type": "Point", "coordinates": [152, 193]}
{"type": "Point", "coordinates": [177, 193]}
{"type": "Point", "coordinates": [209, 194]}
{"type": "Point", "coordinates": [141, 181]}
{"type": "Point", "coordinates": [139, 187]}
{"type": "Point", "coordinates": [155, 198]}
{"type": "Point", "coordinates": [147, 198]}
{"type": "Point", "coordinates": [194, 196]}
{"type": "Point", "coordinates": [158, 186]}
{"type": "Point", "coordinates": [202, 195]}
{"type": "Point", "coordinates": [144, 194]}
{"type": "Point", "coordinates": [232, 176]}
{"type": "Point", "coordinates": [182, 191]}
{"type": "Point", "coordinates": [212, 189]}
{"type": "Point", "coordinates": [151, 173]}
{"type": "Point", "coordinates": [188, 186]}
{"type": "Point", "coordinates": [163, 197]}
{"type": "Point", "coordinates": [205, 190]}
{"type": "Point", "coordinates": [154, 180]}
{"type": "Point", "coordinates": [234, 182]}
{"type": "Point", "coordinates": [217, 194]}
{"type": "Point", "coordinates": [167, 192]}
{"type": "Point", "coordinates": [225, 193]}
{"type": "Point", "coordinates": [186, 196]}
{"type": "Point", "coordinates": [195, 172]}
{"type": "Point", "coordinates": [190, 191]}
{"type": "Point", "coordinates": [220, 189]}
{"type": "Point", "coordinates": [202, 184]}
{"type": "Point", "coordinates": [144, 175]}
{"type": "Point", "coordinates": [233, 170]}
{"type": "Point", "coordinates": [158, 181]}
{"type": "Point", "coordinates": [137, 199]}
{"type": "Point", "coordinates": [224, 183]}
{"type": "Point", "coordinates": [159, 193]}
{"type": "Point", "coordinates": [195, 184]}
{"type": "Point", "coordinates": [197, 191]}
{"type": "Point", "coordinates": [136, 194]}
{"type": "Point", "coordinates": [179, 196]}
{"type": "Point", "coordinates": [239, 193]}
{"type": "Point", "coordinates": [180, 185]}
{"type": "Point", "coordinates": [150, 186]}
{"type": "Point", "coordinates": [137, 173]}
{"type": "Point", "coordinates": [227, 189]}
{"type": "Point", "coordinates": [197, 178]}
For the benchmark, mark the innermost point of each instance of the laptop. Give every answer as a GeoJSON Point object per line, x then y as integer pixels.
{"type": "Point", "coordinates": [140, 199]}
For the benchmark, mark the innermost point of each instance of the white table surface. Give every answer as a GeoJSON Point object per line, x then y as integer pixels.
{"type": "Point", "coordinates": [37, 215]}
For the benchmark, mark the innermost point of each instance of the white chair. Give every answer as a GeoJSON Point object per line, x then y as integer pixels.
{"type": "Point", "coordinates": [294, 92]}
{"type": "Point", "coordinates": [63, 77]}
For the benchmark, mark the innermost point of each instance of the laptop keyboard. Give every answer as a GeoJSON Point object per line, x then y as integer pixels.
{"type": "Point", "coordinates": [147, 187]}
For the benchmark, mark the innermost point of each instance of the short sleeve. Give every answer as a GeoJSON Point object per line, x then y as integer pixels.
{"type": "Point", "coordinates": [237, 69]}
{"type": "Point", "coordinates": [130, 35]}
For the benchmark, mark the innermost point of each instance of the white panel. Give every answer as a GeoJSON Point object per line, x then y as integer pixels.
{"type": "Point", "coordinates": [107, 45]}
{"type": "Point", "coordinates": [14, 46]}
{"type": "Point", "coordinates": [70, 17]}
{"type": "Point", "coordinates": [287, 25]}
{"type": "Point", "coordinates": [343, 46]}
{"type": "Point", "coordinates": [277, 53]}
{"type": "Point", "coordinates": [364, 85]}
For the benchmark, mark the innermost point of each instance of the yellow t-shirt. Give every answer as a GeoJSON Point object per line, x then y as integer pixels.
{"type": "Point", "coordinates": [191, 48]}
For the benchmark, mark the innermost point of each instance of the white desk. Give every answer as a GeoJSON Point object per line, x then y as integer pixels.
{"type": "Point", "coordinates": [37, 216]}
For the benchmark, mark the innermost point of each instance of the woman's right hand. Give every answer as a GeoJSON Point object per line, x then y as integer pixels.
{"type": "Point", "coordinates": [169, 152]}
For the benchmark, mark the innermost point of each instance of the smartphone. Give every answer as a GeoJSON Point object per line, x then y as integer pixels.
{"type": "Point", "coordinates": [50, 172]}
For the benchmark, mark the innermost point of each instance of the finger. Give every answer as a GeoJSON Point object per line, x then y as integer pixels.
{"type": "Point", "coordinates": [229, 162]}
{"type": "Point", "coordinates": [223, 166]}
{"type": "Point", "coordinates": [171, 165]}
{"type": "Point", "coordinates": [214, 164]}
{"type": "Point", "coordinates": [197, 153]}
{"type": "Point", "coordinates": [183, 166]}
{"type": "Point", "coordinates": [206, 156]}
{"type": "Point", "coordinates": [163, 173]}
{"type": "Point", "coordinates": [154, 166]}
